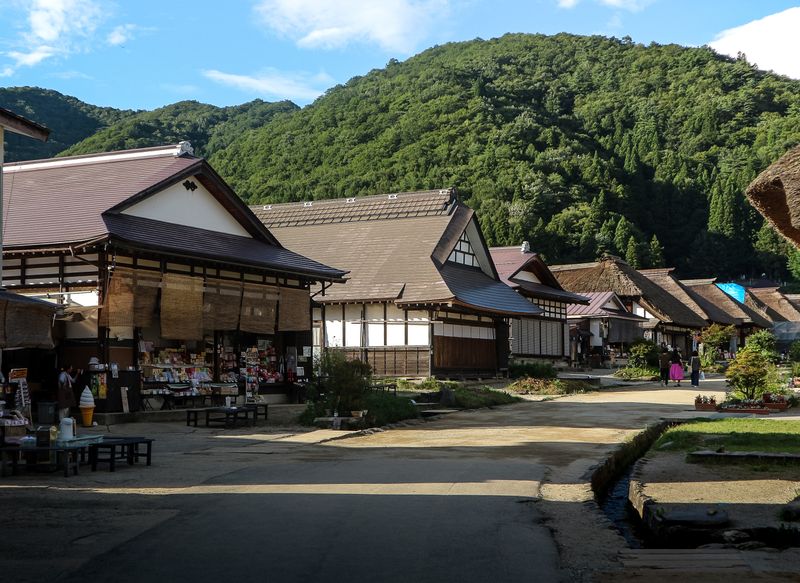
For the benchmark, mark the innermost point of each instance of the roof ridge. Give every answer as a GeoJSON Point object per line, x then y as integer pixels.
{"type": "Point", "coordinates": [183, 148]}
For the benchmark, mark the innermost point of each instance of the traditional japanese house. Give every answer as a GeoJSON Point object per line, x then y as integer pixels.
{"type": "Point", "coordinates": [772, 304]}
{"type": "Point", "coordinates": [724, 309]}
{"type": "Point", "coordinates": [168, 275]}
{"type": "Point", "coordinates": [423, 296]}
{"type": "Point", "coordinates": [669, 321]}
{"type": "Point", "coordinates": [602, 325]}
{"type": "Point", "coordinates": [543, 337]}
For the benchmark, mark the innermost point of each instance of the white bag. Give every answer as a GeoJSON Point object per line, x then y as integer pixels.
{"type": "Point", "coordinates": [702, 376]}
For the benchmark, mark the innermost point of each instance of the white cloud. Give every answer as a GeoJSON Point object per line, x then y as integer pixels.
{"type": "Point", "coordinates": [273, 83]}
{"type": "Point", "coordinates": [121, 34]}
{"type": "Point", "coordinates": [54, 27]}
{"type": "Point", "coordinates": [630, 5]}
{"type": "Point", "coordinates": [71, 75]}
{"type": "Point", "coordinates": [771, 42]}
{"type": "Point", "coordinates": [393, 25]}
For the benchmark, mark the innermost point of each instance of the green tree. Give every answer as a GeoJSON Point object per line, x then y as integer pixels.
{"type": "Point", "coordinates": [764, 342]}
{"type": "Point", "coordinates": [656, 253]}
{"type": "Point", "coordinates": [622, 236]}
{"type": "Point", "coordinates": [749, 373]}
{"type": "Point", "coordinates": [632, 254]}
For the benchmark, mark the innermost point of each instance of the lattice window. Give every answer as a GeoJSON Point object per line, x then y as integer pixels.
{"type": "Point", "coordinates": [463, 253]}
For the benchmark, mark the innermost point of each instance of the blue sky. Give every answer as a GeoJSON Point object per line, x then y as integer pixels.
{"type": "Point", "coordinates": [143, 54]}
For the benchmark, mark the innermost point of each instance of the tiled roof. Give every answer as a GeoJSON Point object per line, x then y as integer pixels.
{"type": "Point", "coordinates": [509, 261]}
{"type": "Point", "coordinates": [141, 233]}
{"type": "Point", "coordinates": [60, 201]}
{"type": "Point", "coordinates": [400, 256]}
{"type": "Point", "coordinates": [365, 208]}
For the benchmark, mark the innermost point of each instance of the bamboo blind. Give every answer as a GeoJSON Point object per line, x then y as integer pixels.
{"type": "Point", "coordinates": [294, 313]}
{"type": "Point", "coordinates": [259, 307]}
{"type": "Point", "coordinates": [145, 298]}
{"type": "Point", "coordinates": [182, 307]}
{"type": "Point", "coordinates": [26, 326]}
{"type": "Point", "coordinates": [118, 301]}
{"type": "Point", "coordinates": [221, 305]}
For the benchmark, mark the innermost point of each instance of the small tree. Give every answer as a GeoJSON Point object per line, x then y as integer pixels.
{"type": "Point", "coordinates": [763, 341]}
{"type": "Point", "coordinates": [344, 382]}
{"type": "Point", "coordinates": [750, 373]}
{"type": "Point", "coordinates": [715, 337]}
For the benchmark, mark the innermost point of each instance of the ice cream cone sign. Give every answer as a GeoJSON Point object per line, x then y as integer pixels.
{"type": "Point", "coordinates": [86, 406]}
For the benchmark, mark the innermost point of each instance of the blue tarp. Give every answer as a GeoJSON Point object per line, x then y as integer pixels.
{"type": "Point", "coordinates": [734, 290]}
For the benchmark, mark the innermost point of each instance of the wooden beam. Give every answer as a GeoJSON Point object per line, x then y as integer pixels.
{"type": "Point", "coordinates": [19, 125]}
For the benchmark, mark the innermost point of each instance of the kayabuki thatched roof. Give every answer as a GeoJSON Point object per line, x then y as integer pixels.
{"type": "Point", "coordinates": [613, 274]}
{"type": "Point", "coordinates": [776, 194]}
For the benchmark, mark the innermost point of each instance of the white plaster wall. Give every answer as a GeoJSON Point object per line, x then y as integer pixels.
{"type": "Point", "coordinates": [197, 208]}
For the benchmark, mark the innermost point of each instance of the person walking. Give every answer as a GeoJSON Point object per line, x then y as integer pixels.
{"type": "Point", "coordinates": [663, 365]}
{"type": "Point", "coordinates": [66, 396]}
{"type": "Point", "coordinates": [676, 367]}
{"type": "Point", "coordinates": [694, 366]}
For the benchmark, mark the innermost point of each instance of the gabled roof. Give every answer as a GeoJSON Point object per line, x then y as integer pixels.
{"type": "Point", "coordinates": [597, 307]}
{"type": "Point", "coordinates": [614, 274]}
{"type": "Point", "coordinates": [511, 261]}
{"type": "Point", "coordinates": [395, 248]}
{"type": "Point", "coordinates": [724, 309]}
{"type": "Point", "coordinates": [772, 303]}
{"type": "Point", "coordinates": [62, 202]}
{"type": "Point", "coordinates": [664, 279]}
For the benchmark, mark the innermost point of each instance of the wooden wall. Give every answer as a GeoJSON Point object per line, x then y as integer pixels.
{"type": "Point", "coordinates": [464, 354]}
{"type": "Point", "coordinates": [393, 361]}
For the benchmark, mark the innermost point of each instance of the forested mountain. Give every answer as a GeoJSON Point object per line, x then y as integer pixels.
{"type": "Point", "coordinates": [69, 119]}
{"type": "Point", "coordinates": [581, 145]}
{"type": "Point", "coordinates": [207, 127]}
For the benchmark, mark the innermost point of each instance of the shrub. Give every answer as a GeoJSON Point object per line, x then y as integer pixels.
{"type": "Point", "coordinates": [530, 386]}
{"type": "Point", "coordinates": [794, 351]}
{"type": "Point", "coordinates": [474, 397]}
{"type": "Point", "coordinates": [718, 337]}
{"type": "Point", "coordinates": [642, 353]}
{"type": "Point", "coordinates": [383, 408]}
{"type": "Point", "coordinates": [751, 373]}
{"type": "Point", "coordinates": [344, 382]}
{"type": "Point", "coordinates": [764, 342]}
{"type": "Point", "coordinates": [538, 370]}
{"type": "Point", "coordinates": [635, 372]}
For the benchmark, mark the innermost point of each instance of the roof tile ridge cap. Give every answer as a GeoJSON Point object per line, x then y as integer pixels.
{"type": "Point", "coordinates": [174, 151]}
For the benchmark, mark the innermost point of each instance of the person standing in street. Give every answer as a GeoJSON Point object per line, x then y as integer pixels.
{"type": "Point", "coordinates": [676, 367]}
{"type": "Point", "coordinates": [694, 366]}
{"type": "Point", "coordinates": [66, 396]}
{"type": "Point", "coordinates": [663, 365]}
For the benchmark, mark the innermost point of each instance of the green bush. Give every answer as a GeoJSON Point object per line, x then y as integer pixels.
{"type": "Point", "coordinates": [537, 370]}
{"type": "Point", "coordinates": [383, 408]}
{"type": "Point", "coordinates": [794, 351]}
{"type": "Point", "coordinates": [763, 341]}
{"type": "Point", "coordinates": [637, 372]}
{"type": "Point", "coordinates": [642, 353]}
{"type": "Point", "coordinates": [313, 410]}
{"type": "Point", "coordinates": [530, 386]}
{"type": "Point", "coordinates": [474, 397]}
{"type": "Point", "coordinates": [751, 373]}
{"type": "Point", "coordinates": [343, 382]}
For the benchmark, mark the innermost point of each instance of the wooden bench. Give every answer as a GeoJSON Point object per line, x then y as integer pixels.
{"type": "Point", "coordinates": [119, 448]}
{"type": "Point", "coordinates": [228, 416]}
{"type": "Point", "coordinates": [191, 416]}
{"type": "Point", "coordinates": [258, 408]}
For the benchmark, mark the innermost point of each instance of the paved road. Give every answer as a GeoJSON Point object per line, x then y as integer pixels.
{"type": "Point", "coordinates": [476, 496]}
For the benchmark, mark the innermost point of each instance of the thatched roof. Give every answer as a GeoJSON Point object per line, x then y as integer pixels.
{"type": "Point", "coordinates": [776, 194]}
{"type": "Point", "coordinates": [614, 274]}
{"type": "Point", "coordinates": [772, 303]}
{"type": "Point", "coordinates": [723, 308]}
{"type": "Point", "coordinates": [664, 279]}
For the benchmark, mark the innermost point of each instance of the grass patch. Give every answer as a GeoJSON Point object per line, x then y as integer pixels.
{"type": "Point", "coordinates": [531, 386]}
{"type": "Point", "coordinates": [733, 435]}
{"type": "Point", "coordinates": [384, 408]}
{"type": "Point", "coordinates": [476, 397]}
{"type": "Point", "coordinates": [637, 372]}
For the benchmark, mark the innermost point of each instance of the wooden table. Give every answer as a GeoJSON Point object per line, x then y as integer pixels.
{"type": "Point", "coordinates": [228, 416]}
{"type": "Point", "coordinates": [67, 457]}
{"type": "Point", "coordinates": [118, 448]}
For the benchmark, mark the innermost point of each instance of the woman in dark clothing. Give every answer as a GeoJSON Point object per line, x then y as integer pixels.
{"type": "Point", "coordinates": [694, 366]}
{"type": "Point", "coordinates": [663, 365]}
{"type": "Point", "coordinates": [676, 368]}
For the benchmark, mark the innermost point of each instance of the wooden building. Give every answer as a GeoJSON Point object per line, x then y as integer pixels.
{"type": "Point", "coordinates": [542, 337]}
{"type": "Point", "coordinates": [162, 267]}
{"type": "Point", "coordinates": [423, 296]}
{"type": "Point", "coordinates": [602, 325]}
{"type": "Point", "coordinates": [669, 321]}
{"type": "Point", "coordinates": [722, 308]}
